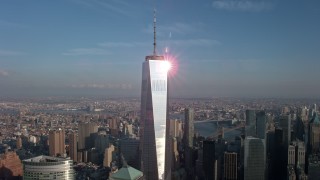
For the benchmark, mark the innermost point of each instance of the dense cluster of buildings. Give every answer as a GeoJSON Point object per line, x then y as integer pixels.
{"type": "Point", "coordinates": [278, 142]}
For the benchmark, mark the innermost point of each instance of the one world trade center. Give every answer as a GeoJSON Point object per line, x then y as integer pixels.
{"type": "Point", "coordinates": [154, 100]}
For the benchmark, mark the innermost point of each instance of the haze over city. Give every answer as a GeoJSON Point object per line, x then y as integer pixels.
{"type": "Point", "coordinates": [245, 48]}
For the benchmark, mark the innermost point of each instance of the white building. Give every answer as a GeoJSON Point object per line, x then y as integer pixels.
{"type": "Point", "coordinates": [46, 167]}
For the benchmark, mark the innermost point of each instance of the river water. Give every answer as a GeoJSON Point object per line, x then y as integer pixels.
{"type": "Point", "coordinates": [206, 129]}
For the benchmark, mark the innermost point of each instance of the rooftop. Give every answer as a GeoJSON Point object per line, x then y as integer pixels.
{"type": "Point", "coordinates": [45, 159]}
{"type": "Point", "coordinates": [127, 173]}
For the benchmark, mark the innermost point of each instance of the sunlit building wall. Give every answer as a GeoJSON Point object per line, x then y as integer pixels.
{"type": "Point", "coordinates": [153, 116]}
{"type": "Point", "coordinates": [57, 142]}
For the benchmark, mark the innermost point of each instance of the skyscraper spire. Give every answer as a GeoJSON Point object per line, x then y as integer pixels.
{"type": "Point", "coordinates": [154, 32]}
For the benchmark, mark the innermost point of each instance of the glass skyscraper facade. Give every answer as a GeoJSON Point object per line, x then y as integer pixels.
{"type": "Point", "coordinates": [250, 123]}
{"type": "Point", "coordinates": [154, 96]}
{"type": "Point", "coordinates": [254, 158]}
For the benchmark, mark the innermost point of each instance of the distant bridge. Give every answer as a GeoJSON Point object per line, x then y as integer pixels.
{"type": "Point", "coordinates": [224, 130]}
{"type": "Point", "coordinates": [212, 120]}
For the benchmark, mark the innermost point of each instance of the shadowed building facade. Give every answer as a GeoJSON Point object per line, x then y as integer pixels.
{"type": "Point", "coordinates": [250, 127]}
{"type": "Point", "coordinates": [254, 158]}
{"type": "Point", "coordinates": [188, 141]}
{"type": "Point", "coordinates": [85, 135]}
{"type": "Point", "coordinates": [230, 166]}
{"type": "Point", "coordinates": [209, 159]}
{"type": "Point", "coordinates": [261, 124]}
{"type": "Point", "coordinates": [73, 152]}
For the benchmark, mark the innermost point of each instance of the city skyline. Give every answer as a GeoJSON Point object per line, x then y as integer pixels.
{"type": "Point", "coordinates": [232, 48]}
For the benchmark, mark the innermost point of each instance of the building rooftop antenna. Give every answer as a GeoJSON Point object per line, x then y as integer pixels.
{"type": "Point", "coordinates": [154, 33]}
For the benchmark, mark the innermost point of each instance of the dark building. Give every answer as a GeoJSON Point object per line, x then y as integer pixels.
{"type": "Point", "coordinates": [209, 159]}
{"type": "Point", "coordinates": [129, 148]}
{"type": "Point", "coordinates": [299, 129]}
{"type": "Point", "coordinates": [270, 154]}
{"type": "Point", "coordinates": [313, 142]}
{"type": "Point", "coordinates": [230, 166]}
{"type": "Point", "coordinates": [254, 159]}
{"type": "Point", "coordinates": [188, 141]}
{"type": "Point", "coordinates": [285, 124]}
{"type": "Point", "coordinates": [73, 152]}
{"type": "Point", "coordinates": [250, 129]}
{"type": "Point", "coordinates": [261, 125]}
{"type": "Point", "coordinates": [189, 127]}
{"type": "Point", "coordinates": [280, 158]}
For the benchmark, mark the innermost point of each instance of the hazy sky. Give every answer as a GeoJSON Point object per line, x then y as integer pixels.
{"type": "Point", "coordinates": [251, 48]}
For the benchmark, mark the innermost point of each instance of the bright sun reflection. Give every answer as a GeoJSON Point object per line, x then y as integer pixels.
{"type": "Point", "coordinates": [166, 66]}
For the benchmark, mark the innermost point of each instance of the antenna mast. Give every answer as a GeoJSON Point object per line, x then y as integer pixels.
{"type": "Point", "coordinates": [154, 33]}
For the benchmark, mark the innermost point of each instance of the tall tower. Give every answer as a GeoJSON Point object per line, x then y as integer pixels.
{"type": "Point", "coordinates": [57, 142]}
{"type": "Point", "coordinates": [188, 141]}
{"type": "Point", "coordinates": [285, 124]}
{"type": "Point", "coordinates": [254, 158]}
{"type": "Point", "coordinates": [189, 127]}
{"type": "Point", "coordinates": [73, 153]}
{"type": "Point", "coordinates": [250, 123]}
{"type": "Point", "coordinates": [154, 97]}
{"type": "Point", "coordinates": [230, 166]}
{"type": "Point", "coordinates": [209, 159]}
{"type": "Point", "coordinates": [85, 133]}
{"type": "Point", "coordinates": [261, 125]}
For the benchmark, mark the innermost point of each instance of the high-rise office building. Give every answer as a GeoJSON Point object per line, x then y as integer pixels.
{"type": "Point", "coordinates": [254, 158]}
{"type": "Point", "coordinates": [250, 129]}
{"type": "Point", "coordinates": [314, 134]}
{"type": "Point", "coordinates": [113, 124]}
{"type": "Point", "coordinates": [188, 140]}
{"type": "Point", "coordinates": [73, 152]}
{"type": "Point", "coordinates": [101, 142]}
{"type": "Point", "coordinates": [154, 96]}
{"type": "Point", "coordinates": [280, 155]}
{"type": "Point", "coordinates": [189, 127]}
{"type": "Point", "coordinates": [129, 148]}
{"type": "Point", "coordinates": [209, 159]}
{"type": "Point", "coordinates": [108, 156]}
{"type": "Point", "coordinates": [271, 154]}
{"type": "Point", "coordinates": [300, 129]}
{"type": "Point", "coordinates": [85, 134]}
{"type": "Point", "coordinates": [57, 142]}
{"type": "Point", "coordinates": [304, 114]}
{"type": "Point", "coordinates": [285, 124]}
{"type": "Point", "coordinates": [291, 155]}
{"type": "Point", "coordinates": [175, 161]}
{"type": "Point", "coordinates": [300, 154]}
{"type": "Point", "coordinates": [261, 125]}
{"type": "Point", "coordinates": [297, 149]}
{"type": "Point", "coordinates": [46, 167]}
{"type": "Point", "coordinates": [176, 129]}
{"type": "Point", "coordinates": [230, 166]}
